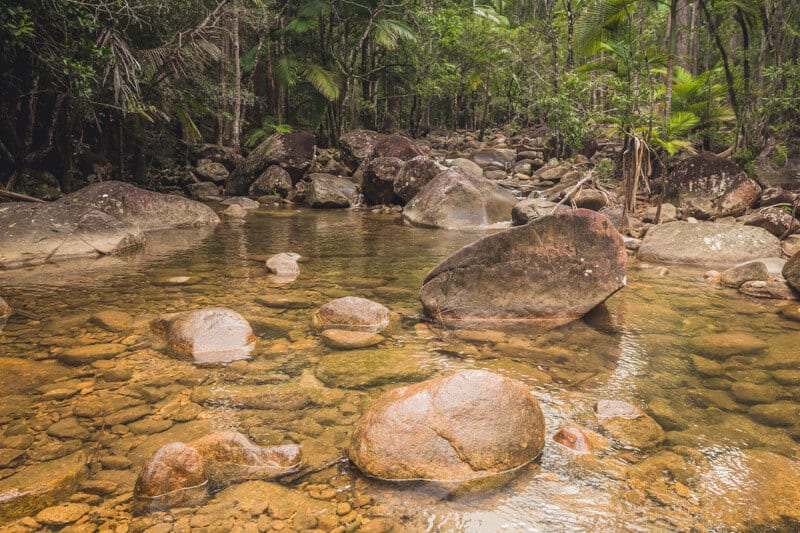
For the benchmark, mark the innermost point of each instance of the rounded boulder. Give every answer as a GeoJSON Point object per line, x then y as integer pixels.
{"type": "Point", "coordinates": [461, 427]}
{"type": "Point", "coordinates": [214, 335]}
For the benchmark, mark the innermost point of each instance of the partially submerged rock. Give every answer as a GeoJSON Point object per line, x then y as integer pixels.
{"type": "Point", "coordinates": [32, 234]}
{"type": "Point", "coordinates": [752, 271]}
{"type": "Point", "coordinates": [174, 476]}
{"type": "Point", "coordinates": [229, 457]}
{"type": "Point", "coordinates": [342, 339]}
{"type": "Point", "coordinates": [629, 425]}
{"type": "Point", "coordinates": [214, 335]}
{"type": "Point", "coordinates": [791, 271]}
{"type": "Point", "coordinates": [147, 210]}
{"type": "Point", "coordinates": [352, 313]}
{"type": "Point", "coordinates": [284, 266]}
{"type": "Point", "coordinates": [39, 486]}
{"type": "Point", "coordinates": [707, 243]}
{"type": "Point", "coordinates": [460, 427]}
{"type": "Point", "coordinates": [556, 269]}
{"type": "Point", "coordinates": [458, 199]}
{"type": "Point", "coordinates": [327, 191]}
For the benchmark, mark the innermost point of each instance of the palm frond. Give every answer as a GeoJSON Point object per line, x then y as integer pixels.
{"type": "Point", "coordinates": [598, 23]}
{"type": "Point", "coordinates": [323, 80]}
{"type": "Point", "coordinates": [389, 32]}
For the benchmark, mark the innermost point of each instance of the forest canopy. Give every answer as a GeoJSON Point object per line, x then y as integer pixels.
{"type": "Point", "coordinates": [120, 83]}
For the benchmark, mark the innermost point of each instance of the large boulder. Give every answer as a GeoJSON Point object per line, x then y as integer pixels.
{"type": "Point", "coordinates": [500, 158]}
{"type": "Point", "coordinates": [32, 234]}
{"type": "Point", "coordinates": [208, 170]}
{"type": "Point", "coordinates": [397, 146]}
{"type": "Point", "coordinates": [791, 271]}
{"type": "Point", "coordinates": [357, 145]}
{"type": "Point", "coordinates": [378, 180]}
{"type": "Point", "coordinates": [707, 186]}
{"type": "Point", "coordinates": [414, 175]}
{"type": "Point", "coordinates": [455, 428]}
{"type": "Point", "coordinates": [773, 219]}
{"type": "Point", "coordinates": [557, 268]}
{"type": "Point", "coordinates": [273, 181]}
{"type": "Point", "coordinates": [293, 152]}
{"type": "Point", "coordinates": [457, 199]}
{"type": "Point", "coordinates": [328, 191]}
{"type": "Point", "coordinates": [707, 243]}
{"type": "Point", "coordinates": [146, 209]}
{"type": "Point", "coordinates": [530, 209]}
{"type": "Point", "coordinates": [212, 335]}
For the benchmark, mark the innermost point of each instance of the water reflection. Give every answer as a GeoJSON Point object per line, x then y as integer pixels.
{"type": "Point", "coordinates": [644, 346]}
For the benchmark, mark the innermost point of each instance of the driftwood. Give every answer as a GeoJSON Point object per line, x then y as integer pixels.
{"type": "Point", "coordinates": [18, 196]}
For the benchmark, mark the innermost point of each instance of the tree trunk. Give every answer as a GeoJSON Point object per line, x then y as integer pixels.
{"type": "Point", "coordinates": [236, 126]}
{"type": "Point", "coordinates": [672, 40]}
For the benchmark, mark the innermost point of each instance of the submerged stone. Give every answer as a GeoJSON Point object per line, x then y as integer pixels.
{"type": "Point", "coordinates": [359, 369]}
{"type": "Point", "coordinates": [214, 335]}
{"type": "Point", "coordinates": [342, 339]}
{"type": "Point", "coordinates": [352, 313]}
{"type": "Point", "coordinates": [174, 476]}
{"type": "Point", "coordinates": [468, 425]}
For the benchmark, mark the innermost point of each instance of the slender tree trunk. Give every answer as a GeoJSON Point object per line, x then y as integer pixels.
{"type": "Point", "coordinates": [236, 126]}
{"type": "Point", "coordinates": [672, 41]}
{"type": "Point", "coordinates": [570, 33]}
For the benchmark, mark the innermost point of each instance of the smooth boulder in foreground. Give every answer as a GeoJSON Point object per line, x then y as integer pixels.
{"type": "Point", "coordinates": [455, 428]}
{"type": "Point", "coordinates": [557, 268]}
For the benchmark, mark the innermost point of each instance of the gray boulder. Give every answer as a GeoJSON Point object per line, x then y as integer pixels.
{"type": "Point", "coordinates": [556, 269]}
{"type": "Point", "coordinates": [449, 429]}
{"type": "Point", "coordinates": [357, 145]}
{"type": "Point", "coordinates": [397, 146]}
{"type": "Point", "coordinates": [707, 186]}
{"type": "Point", "coordinates": [328, 191]}
{"type": "Point", "coordinates": [707, 243]}
{"type": "Point", "coordinates": [273, 181]}
{"type": "Point", "coordinates": [293, 152]}
{"type": "Point", "coordinates": [494, 157]}
{"type": "Point", "coordinates": [773, 219]}
{"type": "Point", "coordinates": [791, 271]}
{"type": "Point", "coordinates": [378, 180]}
{"type": "Point", "coordinates": [457, 199]}
{"type": "Point", "coordinates": [32, 234]}
{"type": "Point", "coordinates": [146, 209]}
{"type": "Point", "coordinates": [532, 208]}
{"type": "Point", "coordinates": [413, 176]}
{"type": "Point", "coordinates": [208, 170]}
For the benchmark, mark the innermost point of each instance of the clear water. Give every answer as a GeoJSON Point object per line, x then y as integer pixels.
{"type": "Point", "coordinates": [641, 347]}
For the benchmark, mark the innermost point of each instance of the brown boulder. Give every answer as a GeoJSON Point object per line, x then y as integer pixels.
{"type": "Point", "coordinates": [556, 268]}
{"type": "Point", "coordinates": [293, 152]}
{"type": "Point", "coordinates": [530, 209]}
{"type": "Point", "coordinates": [352, 313]}
{"type": "Point", "coordinates": [458, 199]}
{"type": "Point", "coordinates": [791, 271]}
{"type": "Point", "coordinates": [378, 180]}
{"type": "Point", "coordinates": [707, 186]}
{"type": "Point", "coordinates": [273, 181]}
{"type": "Point", "coordinates": [397, 146]}
{"type": "Point", "coordinates": [752, 271]}
{"type": "Point", "coordinates": [174, 476]}
{"type": "Point", "coordinates": [357, 145]}
{"type": "Point", "coordinates": [414, 175]}
{"type": "Point", "coordinates": [230, 457]}
{"type": "Point", "coordinates": [328, 191]}
{"type": "Point", "coordinates": [212, 335]}
{"type": "Point", "coordinates": [459, 427]}
{"type": "Point", "coordinates": [773, 219]}
{"type": "Point", "coordinates": [147, 210]}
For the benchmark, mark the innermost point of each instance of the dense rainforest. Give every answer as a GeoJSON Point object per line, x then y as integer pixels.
{"type": "Point", "coordinates": [116, 88]}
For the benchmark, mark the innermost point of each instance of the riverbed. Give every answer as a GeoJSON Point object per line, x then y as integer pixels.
{"type": "Point", "coordinates": [654, 344]}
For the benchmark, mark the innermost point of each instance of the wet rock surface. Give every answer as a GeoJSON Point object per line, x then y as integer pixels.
{"type": "Point", "coordinates": [327, 191]}
{"type": "Point", "coordinates": [791, 271]}
{"type": "Point", "coordinates": [449, 429]}
{"type": "Point", "coordinates": [174, 476]}
{"type": "Point", "coordinates": [352, 313]}
{"type": "Point", "coordinates": [559, 266]}
{"type": "Point", "coordinates": [207, 335]}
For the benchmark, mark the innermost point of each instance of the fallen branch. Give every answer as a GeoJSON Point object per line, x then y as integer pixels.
{"type": "Point", "coordinates": [18, 196]}
{"type": "Point", "coordinates": [589, 177]}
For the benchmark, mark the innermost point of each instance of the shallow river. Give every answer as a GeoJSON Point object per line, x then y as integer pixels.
{"type": "Point", "coordinates": [662, 344]}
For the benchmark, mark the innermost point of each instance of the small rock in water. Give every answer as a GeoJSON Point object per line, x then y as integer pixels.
{"type": "Point", "coordinates": [61, 515]}
{"type": "Point", "coordinates": [629, 425]}
{"type": "Point", "coordinates": [174, 476]}
{"type": "Point", "coordinates": [215, 335]}
{"type": "Point", "coordinates": [616, 409]}
{"type": "Point", "coordinates": [352, 313]}
{"type": "Point", "coordinates": [752, 271]}
{"type": "Point", "coordinates": [83, 355]}
{"type": "Point", "coordinates": [113, 320]}
{"type": "Point", "coordinates": [235, 212]}
{"type": "Point", "coordinates": [574, 438]}
{"type": "Point", "coordinates": [284, 266]}
{"type": "Point", "coordinates": [342, 339]}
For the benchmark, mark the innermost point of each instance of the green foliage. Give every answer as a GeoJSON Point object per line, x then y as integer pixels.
{"type": "Point", "coordinates": [268, 127]}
